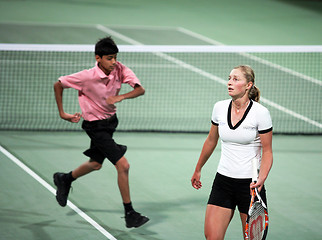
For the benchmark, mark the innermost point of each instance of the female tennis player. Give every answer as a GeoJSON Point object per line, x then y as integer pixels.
{"type": "Point", "coordinates": [98, 91]}
{"type": "Point", "coordinates": [245, 129]}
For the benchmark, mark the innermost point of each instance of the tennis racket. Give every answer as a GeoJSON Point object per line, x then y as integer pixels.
{"type": "Point", "coordinates": [257, 219]}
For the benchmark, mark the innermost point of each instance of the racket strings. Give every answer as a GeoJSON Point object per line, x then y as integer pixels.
{"type": "Point", "coordinates": [256, 221]}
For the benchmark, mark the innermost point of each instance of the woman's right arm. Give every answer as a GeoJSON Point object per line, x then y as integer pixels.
{"type": "Point", "coordinates": [207, 149]}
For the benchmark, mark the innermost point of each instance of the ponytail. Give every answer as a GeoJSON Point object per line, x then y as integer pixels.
{"type": "Point", "coordinates": [254, 93]}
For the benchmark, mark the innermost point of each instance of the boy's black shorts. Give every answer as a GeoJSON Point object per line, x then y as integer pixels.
{"type": "Point", "coordinates": [102, 142]}
{"type": "Point", "coordinates": [231, 192]}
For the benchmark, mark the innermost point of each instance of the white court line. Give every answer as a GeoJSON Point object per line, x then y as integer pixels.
{"type": "Point", "coordinates": [209, 75]}
{"type": "Point", "coordinates": [118, 35]}
{"type": "Point", "coordinates": [53, 191]}
{"type": "Point", "coordinates": [263, 61]}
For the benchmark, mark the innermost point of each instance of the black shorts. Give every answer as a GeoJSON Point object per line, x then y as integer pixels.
{"type": "Point", "coordinates": [102, 142]}
{"type": "Point", "coordinates": [231, 192]}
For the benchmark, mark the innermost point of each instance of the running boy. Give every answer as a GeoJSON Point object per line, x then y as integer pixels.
{"type": "Point", "coordinates": [98, 91]}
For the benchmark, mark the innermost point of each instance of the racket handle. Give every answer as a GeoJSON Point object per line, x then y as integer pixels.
{"type": "Point", "coordinates": [255, 172]}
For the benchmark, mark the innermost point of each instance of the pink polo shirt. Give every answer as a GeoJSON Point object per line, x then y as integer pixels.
{"type": "Point", "coordinates": [94, 87]}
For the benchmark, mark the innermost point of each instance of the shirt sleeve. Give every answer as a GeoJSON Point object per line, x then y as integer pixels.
{"type": "Point", "coordinates": [129, 77]}
{"type": "Point", "coordinates": [265, 121]}
{"type": "Point", "coordinates": [214, 117]}
{"type": "Point", "coordinates": [74, 80]}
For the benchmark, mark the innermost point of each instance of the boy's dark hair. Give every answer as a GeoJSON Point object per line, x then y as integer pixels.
{"type": "Point", "coordinates": [105, 46]}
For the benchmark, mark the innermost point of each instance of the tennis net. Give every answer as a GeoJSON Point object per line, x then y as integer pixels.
{"type": "Point", "coordinates": [182, 84]}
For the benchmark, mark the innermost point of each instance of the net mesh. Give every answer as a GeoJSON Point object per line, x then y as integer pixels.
{"type": "Point", "coordinates": [182, 84]}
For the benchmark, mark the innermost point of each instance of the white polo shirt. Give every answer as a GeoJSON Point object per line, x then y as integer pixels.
{"type": "Point", "coordinates": [240, 143]}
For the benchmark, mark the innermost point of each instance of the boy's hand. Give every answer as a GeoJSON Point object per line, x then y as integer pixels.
{"type": "Point", "coordinates": [71, 118]}
{"type": "Point", "coordinates": [114, 99]}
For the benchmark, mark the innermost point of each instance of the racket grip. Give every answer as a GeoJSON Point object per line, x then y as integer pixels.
{"type": "Point", "coordinates": [255, 172]}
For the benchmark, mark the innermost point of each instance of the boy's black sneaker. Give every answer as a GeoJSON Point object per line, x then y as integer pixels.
{"type": "Point", "coordinates": [63, 188]}
{"type": "Point", "coordinates": [135, 219]}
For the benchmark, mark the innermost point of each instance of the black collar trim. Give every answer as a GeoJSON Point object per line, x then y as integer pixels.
{"type": "Point", "coordinates": [241, 120]}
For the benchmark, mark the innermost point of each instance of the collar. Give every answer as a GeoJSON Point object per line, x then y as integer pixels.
{"type": "Point", "coordinates": [99, 71]}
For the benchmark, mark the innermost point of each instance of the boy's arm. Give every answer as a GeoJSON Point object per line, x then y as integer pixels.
{"type": "Point", "coordinates": [136, 92]}
{"type": "Point", "coordinates": [58, 88]}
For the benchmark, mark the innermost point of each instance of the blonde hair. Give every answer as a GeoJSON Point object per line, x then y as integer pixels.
{"type": "Point", "coordinates": [254, 92]}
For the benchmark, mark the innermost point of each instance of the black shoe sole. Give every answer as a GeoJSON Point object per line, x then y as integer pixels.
{"type": "Point", "coordinates": [144, 220]}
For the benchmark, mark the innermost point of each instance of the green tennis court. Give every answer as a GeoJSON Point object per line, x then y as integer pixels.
{"type": "Point", "coordinates": [160, 184]}
{"type": "Point", "coordinates": [35, 143]}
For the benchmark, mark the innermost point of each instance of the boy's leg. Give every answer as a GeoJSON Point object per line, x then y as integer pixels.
{"type": "Point", "coordinates": [132, 218]}
{"type": "Point", "coordinates": [122, 167]}
{"type": "Point", "coordinates": [86, 168]}
{"type": "Point", "coordinates": [63, 181]}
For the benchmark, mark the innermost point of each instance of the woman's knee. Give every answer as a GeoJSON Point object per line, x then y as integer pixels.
{"type": "Point", "coordinates": [213, 236]}
{"type": "Point", "coordinates": [216, 222]}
